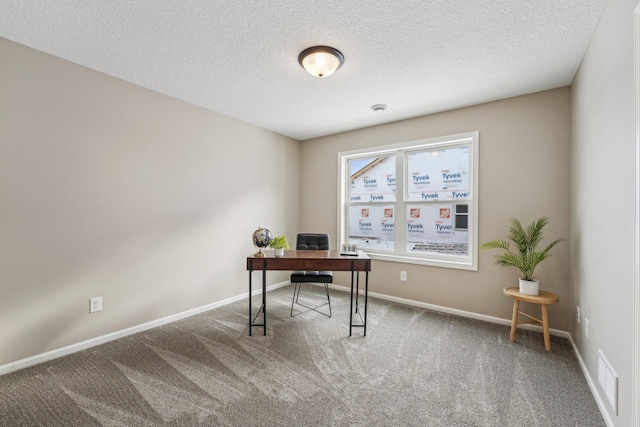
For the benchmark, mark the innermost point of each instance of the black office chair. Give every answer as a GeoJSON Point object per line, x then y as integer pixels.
{"type": "Point", "coordinates": [311, 241]}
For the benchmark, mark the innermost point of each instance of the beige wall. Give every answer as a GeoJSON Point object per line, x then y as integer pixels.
{"type": "Point", "coordinates": [524, 161]}
{"type": "Point", "coordinates": [603, 199]}
{"type": "Point", "coordinates": [108, 189]}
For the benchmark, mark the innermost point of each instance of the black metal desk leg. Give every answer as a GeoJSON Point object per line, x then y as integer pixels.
{"type": "Point", "coordinates": [357, 289]}
{"type": "Point", "coordinates": [366, 294]}
{"type": "Point", "coordinates": [250, 271]}
{"type": "Point", "coordinates": [351, 308]}
{"type": "Point", "coordinates": [263, 307]}
{"type": "Point", "coordinates": [264, 296]}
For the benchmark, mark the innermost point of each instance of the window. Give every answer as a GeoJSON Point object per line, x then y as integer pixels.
{"type": "Point", "coordinates": [414, 202]}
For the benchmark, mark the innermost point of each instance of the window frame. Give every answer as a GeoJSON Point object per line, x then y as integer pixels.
{"type": "Point", "coordinates": [400, 151]}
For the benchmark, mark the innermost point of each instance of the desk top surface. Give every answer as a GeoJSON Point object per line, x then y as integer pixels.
{"type": "Point", "coordinates": [310, 260]}
{"type": "Point", "coordinates": [310, 254]}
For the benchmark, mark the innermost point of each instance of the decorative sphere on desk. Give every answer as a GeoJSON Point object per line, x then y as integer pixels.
{"type": "Point", "coordinates": [261, 239]}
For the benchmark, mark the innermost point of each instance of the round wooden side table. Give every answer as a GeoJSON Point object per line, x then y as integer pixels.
{"type": "Point", "coordinates": [543, 299]}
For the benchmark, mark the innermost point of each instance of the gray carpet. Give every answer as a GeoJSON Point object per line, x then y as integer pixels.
{"type": "Point", "coordinates": [414, 368]}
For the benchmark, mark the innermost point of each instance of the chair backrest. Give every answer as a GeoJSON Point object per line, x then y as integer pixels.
{"type": "Point", "coordinates": [312, 241]}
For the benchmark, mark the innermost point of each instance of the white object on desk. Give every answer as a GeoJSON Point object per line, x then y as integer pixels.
{"type": "Point", "coordinates": [348, 249]}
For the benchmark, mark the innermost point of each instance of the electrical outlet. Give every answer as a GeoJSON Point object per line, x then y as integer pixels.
{"type": "Point", "coordinates": [578, 314]}
{"type": "Point", "coordinates": [95, 304]}
{"type": "Point", "coordinates": [586, 327]}
{"type": "Point", "coordinates": [403, 276]}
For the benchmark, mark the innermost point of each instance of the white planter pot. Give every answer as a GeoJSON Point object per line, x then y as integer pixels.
{"type": "Point", "coordinates": [278, 252]}
{"type": "Point", "coordinates": [529, 287]}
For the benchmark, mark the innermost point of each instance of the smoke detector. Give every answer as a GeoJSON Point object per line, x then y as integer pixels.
{"type": "Point", "coordinates": [379, 108]}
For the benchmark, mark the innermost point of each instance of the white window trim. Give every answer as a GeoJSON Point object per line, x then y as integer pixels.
{"type": "Point", "coordinates": [469, 263]}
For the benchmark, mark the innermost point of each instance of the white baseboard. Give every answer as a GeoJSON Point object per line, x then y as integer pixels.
{"type": "Point", "coordinates": [54, 354]}
{"type": "Point", "coordinates": [461, 313]}
{"type": "Point", "coordinates": [592, 386]}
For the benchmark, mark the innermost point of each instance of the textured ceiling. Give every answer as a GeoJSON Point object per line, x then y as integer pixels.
{"type": "Point", "coordinates": [239, 57]}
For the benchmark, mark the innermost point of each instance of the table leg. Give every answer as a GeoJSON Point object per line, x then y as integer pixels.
{"type": "Point", "coordinates": [514, 320]}
{"type": "Point", "coordinates": [545, 327]}
{"type": "Point", "coordinates": [351, 308]}
{"type": "Point", "coordinates": [366, 294]}
{"type": "Point", "coordinates": [250, 271]}
{"type": "Point", "coordinates": [264, 297]}
{"type": "Point", "coordinates": [357, 288]}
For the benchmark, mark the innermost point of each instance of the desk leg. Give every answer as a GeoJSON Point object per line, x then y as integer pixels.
{"type": "Point", "coordinates": [514, 320]}
{"type": "Point", "coordinates": [262, 308]}
{"type": "Point", "coordinates": [545, 327]}
{"type": "Point", "coordinates": [357, 289]}
{"type": "Point", "coordinates": [366, 295]}
{"type": "Point", "coordinates": [264, 296]}
{"type": "Point", "coordinates": [351, 308]}
{"type": "Point", "coordinates": [250, 322]}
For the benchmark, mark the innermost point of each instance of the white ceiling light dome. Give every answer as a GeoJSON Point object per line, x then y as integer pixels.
{"type": "Point", "coordinates": [321, 61]}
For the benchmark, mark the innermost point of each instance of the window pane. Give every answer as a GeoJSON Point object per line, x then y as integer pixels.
{"type": "Point", "coordinates": [462, 221]}
{"type": "Point", "coordinates": [438, 175]}
{"type": "Point", "coordinates": [431, 229]}
{"type": "Point", "coordinates": [372, 226]}
{"type": "Point", "coordinates": [462, 217]}
{"type": "Point", "coordinates": [373, 179]}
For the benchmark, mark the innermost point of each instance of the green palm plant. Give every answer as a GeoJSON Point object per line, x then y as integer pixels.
{"type": "Point", "coordinates": [524, 257]}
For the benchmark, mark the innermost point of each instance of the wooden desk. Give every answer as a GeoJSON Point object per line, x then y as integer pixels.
{"type": "Point", "coordinates": [309, 261]}
{"type": "Point", "coordinates": [543, 299]}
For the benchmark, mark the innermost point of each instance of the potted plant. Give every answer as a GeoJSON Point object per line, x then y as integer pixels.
{"type": "Point", "coordinates": [279, 244]}
{"type": "Point", "coordinates": [525, 256]}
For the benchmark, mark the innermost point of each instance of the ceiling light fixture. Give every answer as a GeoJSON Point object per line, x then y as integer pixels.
{"type": "Point", "coordinates": [321, 61]}
{"type": "Point", "coordinates": [379, 108]}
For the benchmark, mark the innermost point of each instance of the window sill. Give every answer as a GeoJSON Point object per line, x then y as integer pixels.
{"type": "Point", "coordinates": [463, 264]}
